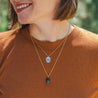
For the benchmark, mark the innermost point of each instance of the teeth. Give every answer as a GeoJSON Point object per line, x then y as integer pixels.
{"type": "Point", "coordinates": [22, 6]}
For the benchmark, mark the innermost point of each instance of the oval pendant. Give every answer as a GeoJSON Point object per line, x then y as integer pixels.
{"type": "Point", "coordinates": [47, 80]}
{"type": "Point", "coordinates": [48, 59]}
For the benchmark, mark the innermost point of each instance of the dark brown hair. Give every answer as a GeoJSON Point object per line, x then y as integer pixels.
{"type": "Point", "coordinates": [65, 11]}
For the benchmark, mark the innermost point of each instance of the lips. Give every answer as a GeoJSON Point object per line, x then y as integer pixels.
{"type": "Point", "coordinates": [21, 6]}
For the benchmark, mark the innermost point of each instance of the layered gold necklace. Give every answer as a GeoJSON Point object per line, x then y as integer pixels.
{"type": "Point", "coordinates": [48, 59]}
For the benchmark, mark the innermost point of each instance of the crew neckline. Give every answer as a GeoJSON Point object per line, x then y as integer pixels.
{"type": "Point", "coordinates": [45, 44]}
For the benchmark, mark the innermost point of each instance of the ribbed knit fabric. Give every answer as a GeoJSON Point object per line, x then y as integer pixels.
{"type": "Point", "coordinates": [75, 74]}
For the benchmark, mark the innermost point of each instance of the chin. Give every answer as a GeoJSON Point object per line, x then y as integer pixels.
{"type": "Point", "coordinates": [24, 21]}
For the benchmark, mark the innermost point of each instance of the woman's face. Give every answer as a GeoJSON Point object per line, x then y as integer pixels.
{"type": "Point", "coordinates": [37, 10]}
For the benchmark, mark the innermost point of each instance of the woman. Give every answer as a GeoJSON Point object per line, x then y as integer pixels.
{"type": "Point", "coordinates": [46, 57]}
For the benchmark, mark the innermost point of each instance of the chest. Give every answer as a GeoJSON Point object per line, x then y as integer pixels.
{"type": "Point", "coordinates": [24, 77]}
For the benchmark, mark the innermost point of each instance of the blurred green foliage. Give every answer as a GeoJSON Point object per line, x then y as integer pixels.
{"type": "Point", "coordinates": [3, 15]}
{"type": "Point", "coordinates": [86, 17]}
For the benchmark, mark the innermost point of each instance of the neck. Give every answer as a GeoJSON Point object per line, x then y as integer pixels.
{"type": "Point", "coordinates": [49, 31]}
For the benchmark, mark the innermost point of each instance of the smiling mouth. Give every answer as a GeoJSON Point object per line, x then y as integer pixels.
{"type": "Point", "coordinates": [21, 7]}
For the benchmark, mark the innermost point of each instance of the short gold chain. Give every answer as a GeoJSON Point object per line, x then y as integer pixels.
{"type": "Point", "coordinates": [57, 57]}
{"type": "Point", "coordinates": [52, 51]}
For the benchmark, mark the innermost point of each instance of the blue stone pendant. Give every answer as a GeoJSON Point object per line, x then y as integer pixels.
{"type": "Point", "coordinates": [47, 80]}
{"type": "Point", "coordinates": [48, 59]}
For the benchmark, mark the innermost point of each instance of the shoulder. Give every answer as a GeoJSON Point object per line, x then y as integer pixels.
{"type": "Point", "coordinates": [85, 38]}
{"type": "Point", "coordinates": [9, 33]}
{"type": "Point", "coordinates": [87, 41]}
{"type": "Point", "coordinates": [6, 42]}
{"type": "Point", "coordinates": [6, 37]}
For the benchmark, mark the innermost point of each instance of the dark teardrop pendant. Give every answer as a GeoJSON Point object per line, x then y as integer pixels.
{"type": "Point", "coordinates": [47, 80]}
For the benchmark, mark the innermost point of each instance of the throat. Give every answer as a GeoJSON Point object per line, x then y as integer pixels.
{"type": "Point", "coordinates": [47, 36]}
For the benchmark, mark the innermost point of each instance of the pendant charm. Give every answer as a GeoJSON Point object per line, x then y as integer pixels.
{"type": "Point", "coordinates": [47, 80]}
{"type": "Point", "coordinates": [48, 59]}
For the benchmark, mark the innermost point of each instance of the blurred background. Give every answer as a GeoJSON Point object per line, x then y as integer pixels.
{"type": "Point", "coordinates": [86, 17]}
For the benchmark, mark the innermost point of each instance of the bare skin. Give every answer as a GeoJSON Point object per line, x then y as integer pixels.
{"type": "Point", "coordinates": [39, 16]}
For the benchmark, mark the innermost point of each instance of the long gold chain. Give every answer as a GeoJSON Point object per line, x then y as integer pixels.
{"type": "Point", "coordinates": [48, 75]}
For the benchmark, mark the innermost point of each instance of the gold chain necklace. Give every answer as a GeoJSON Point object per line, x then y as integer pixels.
{"type": "Point", "coordinates": [48, 59]}
{"type": "Point", "coordinates": [48, 75]}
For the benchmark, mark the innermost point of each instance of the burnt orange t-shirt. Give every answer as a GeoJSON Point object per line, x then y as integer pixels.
{"type": "Point", "coordinates": [75, 74]}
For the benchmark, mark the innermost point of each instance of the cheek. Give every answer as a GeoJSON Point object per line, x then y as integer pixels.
{"type": "Point", "coordinates": [41, 4]}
